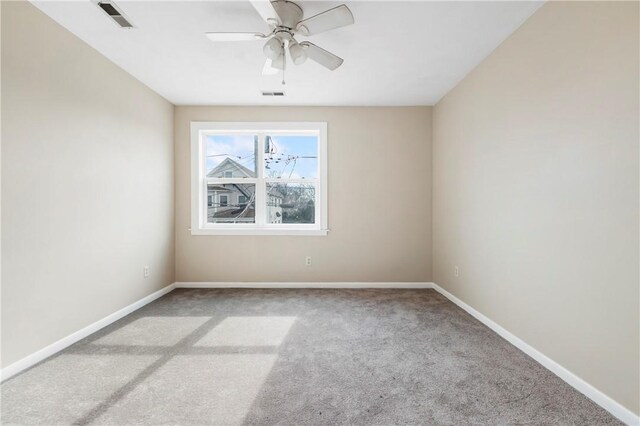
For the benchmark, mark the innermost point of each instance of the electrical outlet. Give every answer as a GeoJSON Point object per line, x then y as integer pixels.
{"type": "Point", "coordinates": [147, 272]}
{"type": "Point", "coordinates": [456, 271]}
{"type": "Point", "coordinates": [307, 261]}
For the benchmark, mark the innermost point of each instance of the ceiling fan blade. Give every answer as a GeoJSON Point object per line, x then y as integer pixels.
{"type": "Point", "coordinates": [321, 56]}
{"type": "Point", "coordinates": [337, 17]}
{"type": "Point", "coordinates": [268, 69]}
{"type": "Point", "coordinates": [267, 11]}
{"type": "Point", "coordinates": [235, 36]}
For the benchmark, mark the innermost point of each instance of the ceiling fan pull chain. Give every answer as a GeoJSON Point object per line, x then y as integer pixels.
{"type": "Point", "coordinates": [284, 62]}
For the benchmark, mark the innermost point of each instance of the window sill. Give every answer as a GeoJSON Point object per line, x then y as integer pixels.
{"type": "Point", "coordinates": [283, 232]}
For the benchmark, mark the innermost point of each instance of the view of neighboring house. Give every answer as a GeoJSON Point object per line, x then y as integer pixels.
{"type": "Point", "coordinates": [234, 202]}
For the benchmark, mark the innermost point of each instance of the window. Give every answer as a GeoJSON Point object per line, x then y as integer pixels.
{"type": "Point", "coordinates": [259, 178]}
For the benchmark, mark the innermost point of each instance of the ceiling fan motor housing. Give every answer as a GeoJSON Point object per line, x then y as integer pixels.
{"type": "Point", "coordinates": [289, 12]}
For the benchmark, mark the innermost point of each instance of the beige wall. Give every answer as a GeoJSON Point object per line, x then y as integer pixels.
{"type": "Point", "coordinates": [379, 202]}
{"type": "Point", "coordinates": [535, 165]}
{"type": "Point", "coordinates": [87, 184]}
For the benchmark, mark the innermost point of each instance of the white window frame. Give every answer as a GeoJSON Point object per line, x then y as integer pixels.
{"type": "Point", "coordinates": [199, 225]}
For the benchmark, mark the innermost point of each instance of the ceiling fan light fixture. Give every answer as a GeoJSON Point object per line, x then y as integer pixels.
{"type": "Point", "coordinates": [273, 48]}
{"type": "Point", "coordinates": [278, 63]}
{"type": "Point", "coordinates": [298, 55]}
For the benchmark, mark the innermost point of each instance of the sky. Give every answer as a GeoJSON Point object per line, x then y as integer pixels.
{"type": "Point", "coordinates": [283, 162]}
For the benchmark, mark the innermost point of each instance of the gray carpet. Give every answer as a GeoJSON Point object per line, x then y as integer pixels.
{"type": "Point", "coordinates": [295, 357]}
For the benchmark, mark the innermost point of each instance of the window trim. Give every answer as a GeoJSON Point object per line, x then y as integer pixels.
{"type": "Point", "coordinates": [199, 226]}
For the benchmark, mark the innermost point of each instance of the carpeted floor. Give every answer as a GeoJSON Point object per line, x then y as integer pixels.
{"type": "Point", "coordinates": [295, 357]}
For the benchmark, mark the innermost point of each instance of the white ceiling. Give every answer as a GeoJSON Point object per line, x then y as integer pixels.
{"type": "Point", "coordinates": [397, 53]}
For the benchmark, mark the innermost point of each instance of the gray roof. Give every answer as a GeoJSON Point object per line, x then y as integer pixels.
{"type": "Point", "coordinates": [228, 161]}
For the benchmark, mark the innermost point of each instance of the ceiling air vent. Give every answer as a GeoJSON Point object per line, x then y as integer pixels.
{"type": "Point", "coordinates": [115, 14]}
{"type": "Point", "coordinates": [272, 93]}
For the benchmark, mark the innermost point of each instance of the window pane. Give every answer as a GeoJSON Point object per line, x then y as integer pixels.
{"type": "Point", "coordinates": [231, 156]}
{"type": "Point", "coordinates": [291, 157]}
{"type": "Point", "coordinates": [231, 203]}
{"type": "Point", "coordinates": [291, 203]}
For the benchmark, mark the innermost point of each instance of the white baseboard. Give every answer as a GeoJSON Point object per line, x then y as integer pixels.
{"type": "Point", "coordinates": [576, 382]}
{"type": "Point", "coordinates": [28, 361]}
{"type": "Point", "coordinates": [404, 285]}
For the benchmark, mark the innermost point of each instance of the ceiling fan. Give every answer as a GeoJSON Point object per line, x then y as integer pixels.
{"type": "Point", "coordinates": [285, 20]}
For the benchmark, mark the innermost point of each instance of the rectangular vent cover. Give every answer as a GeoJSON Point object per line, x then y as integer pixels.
{"type": "Point", "coordinates": [114, 13]}
{"type": "Point", "coordinates": [272, 93]}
